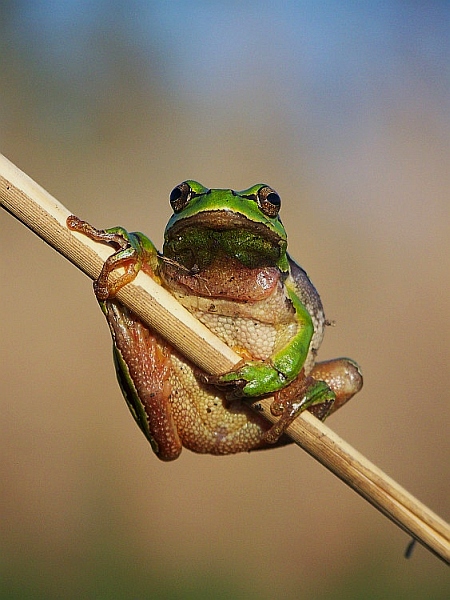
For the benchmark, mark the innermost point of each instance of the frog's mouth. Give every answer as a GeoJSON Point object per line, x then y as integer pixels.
{"type": "Point", "coordinates": [223, 254]}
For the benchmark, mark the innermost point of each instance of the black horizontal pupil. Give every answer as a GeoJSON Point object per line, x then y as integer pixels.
{"type": "Point", "coordinates": [274, 199]}
{"type": "Point", "coordinates": [175, 194]}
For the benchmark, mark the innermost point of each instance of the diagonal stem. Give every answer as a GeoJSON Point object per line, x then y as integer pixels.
{"type": "Point", "coordinates": [45, 216]}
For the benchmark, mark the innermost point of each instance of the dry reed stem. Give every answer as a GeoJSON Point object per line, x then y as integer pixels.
{"type": "Point", "coordinates": [46, 217]}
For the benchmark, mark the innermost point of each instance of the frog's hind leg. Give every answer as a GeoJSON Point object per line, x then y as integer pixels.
{"type": "Point", "coordinates": [328, 387]}
{"type": "Point", "coordinates": [143, 369]}
{"type": "Point", "coordinates": [301, 394]}
{"type": "Point", "coordinates": [343, 376]}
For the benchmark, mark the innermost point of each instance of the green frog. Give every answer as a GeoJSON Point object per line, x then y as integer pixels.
{"type": "Point", "coordinates": [225, 259]}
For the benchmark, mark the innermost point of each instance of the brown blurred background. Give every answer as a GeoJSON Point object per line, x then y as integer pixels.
{"type": "Point", "coordinates": [344, 109]}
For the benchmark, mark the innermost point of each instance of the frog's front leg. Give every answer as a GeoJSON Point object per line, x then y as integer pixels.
{"type": "Point", "coordinates": [134, 251]}
{"type": "Point", "coordinates": [252, 378]}
{"type": "Point", "coordinates": [328, 387]}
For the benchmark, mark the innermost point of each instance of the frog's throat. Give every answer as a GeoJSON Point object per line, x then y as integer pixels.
{"type": "Point", "coordinates": [225, 278]}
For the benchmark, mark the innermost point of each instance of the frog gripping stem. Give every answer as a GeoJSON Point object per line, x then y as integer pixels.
{"type": "Point", "coordinates": [28, 202]}
{"type": "Point", "coordinates": [304, 393]}
{"type": "Point", "coordinates": [125, 256]}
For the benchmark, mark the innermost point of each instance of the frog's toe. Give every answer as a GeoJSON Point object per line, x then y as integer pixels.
{"type": "Point", "coordinates": [232, 389]}
{"type": "Point", "coordinates": [322, 410]}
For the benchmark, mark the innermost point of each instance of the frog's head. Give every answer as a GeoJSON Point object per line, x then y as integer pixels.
{"type": "Point", "coordinates": [210, 224]}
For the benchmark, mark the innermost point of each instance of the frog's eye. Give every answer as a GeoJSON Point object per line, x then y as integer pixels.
{"type": "Point", "coordinates": [268, 201]}
{"type": "Point", "coordinates": [180, 196]}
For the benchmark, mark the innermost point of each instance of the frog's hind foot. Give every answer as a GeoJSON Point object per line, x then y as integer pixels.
{"type": "Point", "coordinates": [329, 386]}
{"type": "Point", "coordinates": [304, 393]}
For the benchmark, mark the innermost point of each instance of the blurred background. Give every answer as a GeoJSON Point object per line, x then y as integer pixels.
{"type": "Point", "coordinates": [344, 109]}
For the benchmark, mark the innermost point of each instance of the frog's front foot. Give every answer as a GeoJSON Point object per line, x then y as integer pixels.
{"type": "Point", "coordinates": [132, 249]}
{"type": "Point", "coordinates": [250, 379]}
{"type": "Point", "coordinates": [232, 390]}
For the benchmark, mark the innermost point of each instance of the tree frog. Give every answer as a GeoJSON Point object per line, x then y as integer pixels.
{"type": "Point", "coordinates": [225, 259]}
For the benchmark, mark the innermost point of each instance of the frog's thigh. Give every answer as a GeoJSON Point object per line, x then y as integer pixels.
{"type": "Point", "coordinates": [143, 359]}
{"type": "Point", "coordinates": [342, 375]}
